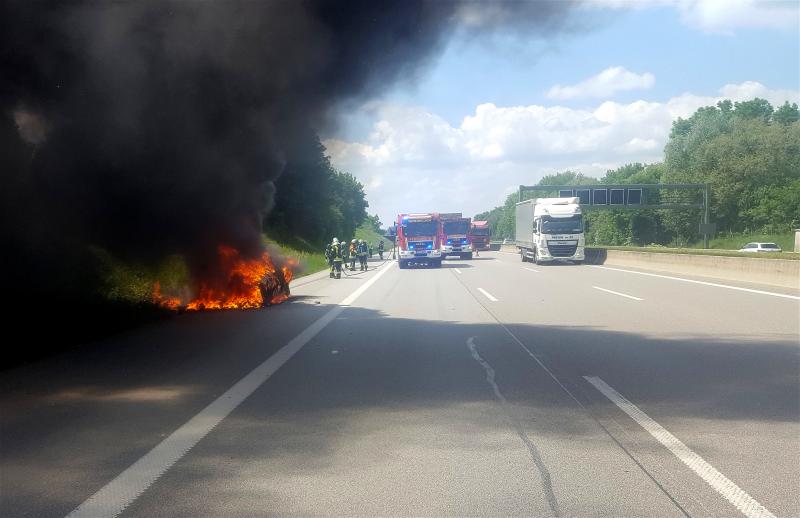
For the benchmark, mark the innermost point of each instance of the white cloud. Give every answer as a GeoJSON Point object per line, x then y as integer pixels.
{"type": "Point", "coordinates": [752, 89]}
{"type": "Point", "coordinates": [726, 15]}
{"type": "Point", "coordinates": [720, 16]}
{"type": "Point", "coordinates": [414, 160]}
{"type": "Point", "coordinates": [605, 84]}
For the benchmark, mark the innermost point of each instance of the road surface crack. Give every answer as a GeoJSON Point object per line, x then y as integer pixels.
{"type": "Point", "coordinates": [544, 473]}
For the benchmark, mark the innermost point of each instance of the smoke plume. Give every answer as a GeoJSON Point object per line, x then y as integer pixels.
{"type": "Point", "coordinates": [152, 128]}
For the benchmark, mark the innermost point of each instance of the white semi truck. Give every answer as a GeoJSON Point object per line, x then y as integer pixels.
{"type": "Point", "coordinates": [550, 229]}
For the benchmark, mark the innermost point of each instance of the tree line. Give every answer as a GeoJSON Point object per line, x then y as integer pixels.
{"type": "Point", "coordinates": [747, 152]}
{"type": "Point", "coordinates": [313, 200]}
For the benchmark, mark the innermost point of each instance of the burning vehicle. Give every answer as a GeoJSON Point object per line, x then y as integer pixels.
{"type": "Point", "coordinates": [244, 284]}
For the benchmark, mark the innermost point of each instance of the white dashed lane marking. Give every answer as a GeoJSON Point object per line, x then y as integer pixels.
{"type": "Point", "coordinates": [617, 293]}
{"type": "Point", "coordinates": [487, 294]}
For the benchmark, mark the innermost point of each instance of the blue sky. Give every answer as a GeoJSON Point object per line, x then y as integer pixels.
{"type": "Point", "coordinates": [695, 51]}
{"type": "Point", "coordinates": [654, 40]}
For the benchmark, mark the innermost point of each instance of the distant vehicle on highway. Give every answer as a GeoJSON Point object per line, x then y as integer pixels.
{"type": "Point", "coordinates": [419, 240]}
{"type": "Point", "coordinates": [550, 229]}
{"type": "Point", "coordinates": [481, 234]}
{"type": "Point", "coordinates": [760, 247]}
{"type": "Point", "coordinates": [456, 237]}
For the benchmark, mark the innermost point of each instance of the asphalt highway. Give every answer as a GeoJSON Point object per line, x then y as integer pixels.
{"type": "Point", "coordinates": [488, 387]}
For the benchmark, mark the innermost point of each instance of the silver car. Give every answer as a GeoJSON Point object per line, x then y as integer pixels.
{"type": "Point", "coordinates": [760, 247]}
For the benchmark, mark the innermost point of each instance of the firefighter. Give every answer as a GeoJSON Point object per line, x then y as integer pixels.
{"type": "Point", "coordinates": [329, 257]}
{"type": "Point", "coordinates": [370, 250]}
{"type": "Point", "coordinates": [362, 251]}
{"type": "Point", "coordinates": [352, 254]}
{"type": "Point", "coordinates": [336, 259]}
{"type": "Point", "coordinates": [380, 249]}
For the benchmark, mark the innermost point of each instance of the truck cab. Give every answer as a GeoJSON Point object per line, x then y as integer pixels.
{"type": "Point", "coordinates": [481, 235]}
{"type": "Point", "coordinates": [550, 229]}
{"type": "Point", "coordinates": [419, 240]}
{"type": "Point", "coordinates": [456, 239]}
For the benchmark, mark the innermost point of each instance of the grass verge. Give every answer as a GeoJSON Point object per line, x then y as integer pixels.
{"type": "Point", "coordinates": [310, 262]}
{"type": "Point", "coordinates": [369, 235]}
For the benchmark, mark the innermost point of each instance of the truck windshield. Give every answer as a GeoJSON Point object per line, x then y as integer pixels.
{"type": "Point", "coordinates": [571, 225]}
{"type": "Point", "coordinates": [480, 231]}
{"type": "Point", "coordinates": [456, 227]}
{"type": "Point", "coordinates": [420, 228]}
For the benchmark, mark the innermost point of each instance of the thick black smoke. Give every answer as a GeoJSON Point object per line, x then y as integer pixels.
{"type": "Point", "coordinates": [153, 128]}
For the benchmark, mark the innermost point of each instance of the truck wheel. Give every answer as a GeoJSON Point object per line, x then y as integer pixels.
{"type": "Point", "coordinates": [402, 264]}
{"type": "Point", "coordinates": [535, 256]}
{"type": "Point", "coordinates": [577, 262]}
{"type": "Point", "coordinates": [437, 263]}
{"type": "Point", "coordinates": [522, 255]}
{"type": "Point", "coordinates": [468, 255]}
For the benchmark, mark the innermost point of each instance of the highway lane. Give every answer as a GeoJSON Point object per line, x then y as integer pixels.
{"type": "Point", "coordinates": [427, 397]}
{"type": "Point", "coordinates": [717, 367]}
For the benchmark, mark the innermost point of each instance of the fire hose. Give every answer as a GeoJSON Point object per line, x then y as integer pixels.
{"type": "Point", "coordinates": [344, 268]}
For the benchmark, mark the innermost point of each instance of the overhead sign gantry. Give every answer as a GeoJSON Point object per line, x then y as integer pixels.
{"type": "Point", "coordinates": [634, 196]}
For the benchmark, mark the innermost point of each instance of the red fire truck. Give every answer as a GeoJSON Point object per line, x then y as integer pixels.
{"type": "Point", "coordinates": [481, 235]}
{"type": "Point", "coordinates": [419, 240]}
{"type": "Point", "coordinates": [456, 238]}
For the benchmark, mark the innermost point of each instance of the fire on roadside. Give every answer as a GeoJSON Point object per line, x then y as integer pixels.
{"type": "Point", "coordinates": [244, 284]}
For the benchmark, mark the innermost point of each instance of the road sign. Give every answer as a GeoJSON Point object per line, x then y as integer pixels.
{"type": "Point", "coordinates": [634, 196]}
{"type": "Point", "coordinates": [677, 196]}
{"type": "Point", "coordinates": [600, 196]}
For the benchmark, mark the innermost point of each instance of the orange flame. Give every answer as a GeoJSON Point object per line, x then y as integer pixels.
{"type": "Point", "coordinates": [164, 300]}
{"type": "Point", "coordinates": [247, 283]}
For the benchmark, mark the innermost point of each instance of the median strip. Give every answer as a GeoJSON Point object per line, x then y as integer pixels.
{"type": "Point", "coordinates": [487, 294]}
{"type": "Point", "coordinates": [721, 484]}
{"type": "Point", "coordinates": [617, 293]}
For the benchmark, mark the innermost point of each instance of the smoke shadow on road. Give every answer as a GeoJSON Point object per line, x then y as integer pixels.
{"type": "Point", "coordinates": [386, 371]}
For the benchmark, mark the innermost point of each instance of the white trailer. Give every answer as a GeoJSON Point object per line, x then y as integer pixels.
{"type": "Point", "coordinates": [550, 229]}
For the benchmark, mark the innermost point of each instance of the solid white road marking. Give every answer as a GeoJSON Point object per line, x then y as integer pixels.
{"type": "Point", "coordinates": [760, 292]}
{"type": "Point", "coordinates": [725, 487]}
{"type": "Point", "coordinates": [115, 496]}
{"type": "Point", "coordinates": [532, 270]}
{"type": "Point", "coordinates": [617, 293]}
{"type": "Point", "coordinates": [487, 294]}
{"type": "Point", "coordinates": [364, 287]}
{"type": "Point", "coordinates": [457, 270]}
